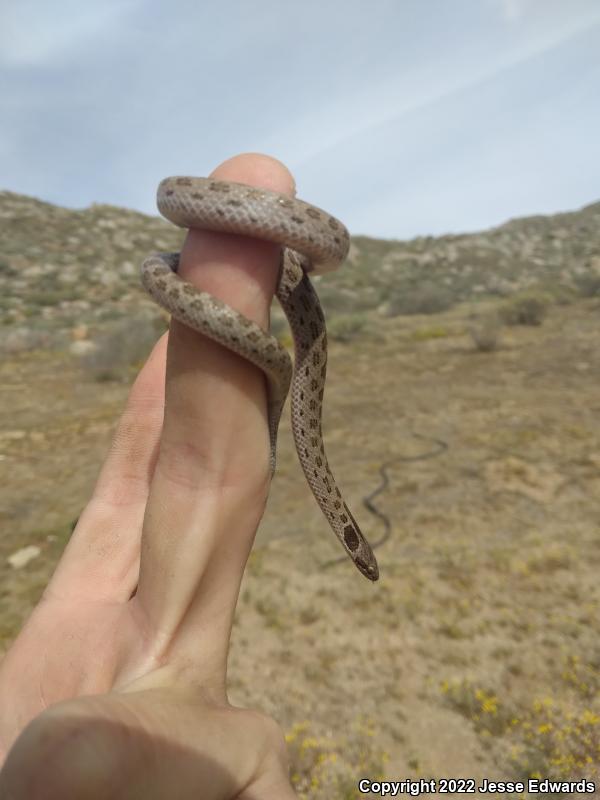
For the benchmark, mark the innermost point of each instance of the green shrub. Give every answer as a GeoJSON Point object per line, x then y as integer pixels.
{"type": "Point", "coordinates": [346, 327]}
{"type": "Point", "coordinates": [426, 298]}
{"type": "Point", "coordinates": [524, 309]}
{"type": "Point", "coordinates": [425, 334]}
{"type": "Point", "coordinates": [588, 284]}
{"type": "Point", "coordinates": [558, 293]}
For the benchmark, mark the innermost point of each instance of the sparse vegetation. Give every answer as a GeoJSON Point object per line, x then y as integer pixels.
{"type": "Point", "coordinates": [546, 738]}
{"type": "Point", "coordinates": [425, 298]}
{"type": "Point", "coordinates": [588, 284]}
{"type": "Point", "coordinates": [524, 309]}
{"type": "Point", "coordinates": [433, 332]}
{"type": "Point", "coordinates": [123, 346]}
{"type": "Point", "coordinates": [331, 765]}
{"type": "Point", "coordinates": [553, 740]}
{"type": "Point", "coordinates": [479, 705]}
{"type": "Point", "coordinates": [347, 327]}
{"type": "Point", "coordinates": [485, 331]}
{"type": "Point", "coordinates": [489, 576]}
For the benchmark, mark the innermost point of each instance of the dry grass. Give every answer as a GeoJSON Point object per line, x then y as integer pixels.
{"type": "Point", "coordinates": [331, 764]}
{"type": "Point", "coordinates": [476, 654]}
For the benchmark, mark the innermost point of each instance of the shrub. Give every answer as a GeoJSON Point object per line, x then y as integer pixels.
{"type": "Point", "coordinates": [346, 327]}
{"type": "Point", "coordinates": [425, 334]}
{"type": "Point", "coordinates": [479, 705]}
{"type": "Point", "coordinates": [551, 740]}
{"type": "Point", "coordinates": [525, 309]}
{"type": "Point", "coordinates": [328, 766]}
{"type": "Point", "coordinates": [426, 298]}
{"type": "Point", "coordinates": [485, 332]}
{"type": "Point", "coordinates": [124, 345]}
{"type": "Point", "coordinates": [588, 284]}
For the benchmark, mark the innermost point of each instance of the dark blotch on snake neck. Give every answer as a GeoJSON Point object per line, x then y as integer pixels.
{"type": "Point", "coordinates": [350, 537]}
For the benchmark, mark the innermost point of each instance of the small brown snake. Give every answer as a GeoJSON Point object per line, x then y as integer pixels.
{"type": "Point", "coordinates": [313, 242]}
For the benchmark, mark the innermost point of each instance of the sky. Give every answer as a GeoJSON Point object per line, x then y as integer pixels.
{"type": "Point", "coordinates": [400, 117]}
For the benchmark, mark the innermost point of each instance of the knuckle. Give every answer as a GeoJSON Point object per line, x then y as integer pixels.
{"type": "Point", "coordinates": [272, 736]}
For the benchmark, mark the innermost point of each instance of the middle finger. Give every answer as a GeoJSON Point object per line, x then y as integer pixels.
{"type": "Point", "coordinates": [212, 474]}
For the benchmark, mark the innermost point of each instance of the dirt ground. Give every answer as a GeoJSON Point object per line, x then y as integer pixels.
{"type": "Point", "coordinates": [477, 654]}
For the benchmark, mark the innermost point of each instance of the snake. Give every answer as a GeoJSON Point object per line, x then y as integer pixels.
{"type": "Point", "coordinates": [312, 242]}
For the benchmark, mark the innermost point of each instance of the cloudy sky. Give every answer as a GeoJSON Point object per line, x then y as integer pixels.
{"type": "Point", "coordinates": [402, 117]}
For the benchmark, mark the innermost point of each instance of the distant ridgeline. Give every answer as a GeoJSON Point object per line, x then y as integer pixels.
{"type": "Point", "coordinates": [62, 268]}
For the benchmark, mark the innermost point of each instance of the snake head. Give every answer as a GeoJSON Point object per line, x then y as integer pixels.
{"type": "Point", "coordinates": [359, 549]}
{"type": "Point", "coordinates": [369, 569]}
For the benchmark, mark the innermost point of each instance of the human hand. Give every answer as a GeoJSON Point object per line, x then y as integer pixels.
{"type": "Point", "coordinates": [116, 686]}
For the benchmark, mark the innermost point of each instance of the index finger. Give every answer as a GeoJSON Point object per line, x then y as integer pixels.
{"type": "Point", "coordinates": [211, 478]}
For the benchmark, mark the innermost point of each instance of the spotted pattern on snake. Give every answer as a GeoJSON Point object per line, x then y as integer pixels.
{"type": "Point", "coordinates": [313, 242]}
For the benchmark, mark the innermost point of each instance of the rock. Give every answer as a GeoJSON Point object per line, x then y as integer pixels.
{"type": "Point", "coordinates": [22, 557]}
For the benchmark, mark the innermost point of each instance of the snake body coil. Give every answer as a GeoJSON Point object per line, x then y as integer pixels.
{"type": "Point", "coordinates": [313, 242]}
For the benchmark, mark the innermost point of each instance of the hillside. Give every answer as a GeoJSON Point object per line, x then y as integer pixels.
{"type": "Point", "coordinates": [60, 268]}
